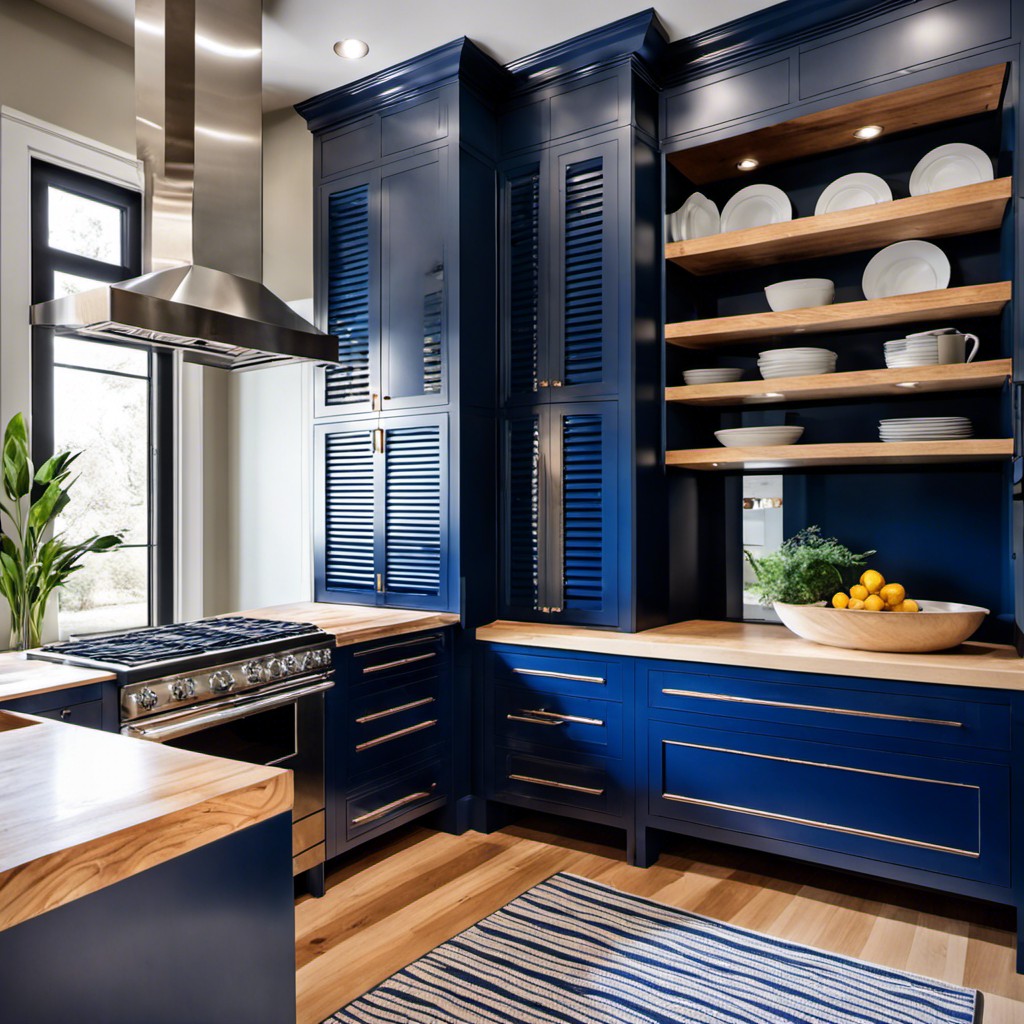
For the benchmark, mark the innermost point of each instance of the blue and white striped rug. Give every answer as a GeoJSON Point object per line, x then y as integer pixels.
{"type": "Point", "coordinates": [573, 951]}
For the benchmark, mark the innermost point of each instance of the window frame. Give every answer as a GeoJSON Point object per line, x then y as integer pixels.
{"type": "Point", "coordinates": [44, 262]}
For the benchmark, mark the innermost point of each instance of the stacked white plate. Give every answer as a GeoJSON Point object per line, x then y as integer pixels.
{"type": "Point", "coordinates": [796, 362]}
{"type": "Point", "coordinates": [912, 352]}
{"type": "Point", "coordinates": [756, 437]}
{"type": "Point", "coordinates": [926, 428]}
{"type": "Point", "coordinates": [715, 375]}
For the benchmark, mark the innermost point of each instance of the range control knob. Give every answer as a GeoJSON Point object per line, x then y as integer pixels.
{"type": "Point", "coordinates": [251, 671]}
{"type": "Point", "coordinates": [309, 660]}
{"type": "Point", "coordinates": [146, 698]}
{"type": "Point", "coordinates": [291, 663]}
{"type": "Point", "coordinates": [183, 689]}
{"type": "Point", "coordinates": [325, 657]}
{"type": "Point", "coordinates": [221, 680]}
{"type": "Point", "coordinates": [275, 668]}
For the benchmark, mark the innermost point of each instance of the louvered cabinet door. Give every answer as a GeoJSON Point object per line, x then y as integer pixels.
{"type": "Point", "coordinates": [347, 533]}
{"type": "Point", "coordinates": [586, 275]}
{"type": "Point", "coordinates": [348, 301]}
{"type": "Point", "coordinates": [581, 552]}
{"type": "Point", "coordinates": [414, 313]}
{"type": "Point", "coordinates": [415, 514]}
{"type": "Point", "coordinates": [524, 269]}
{"type": "Point", "coordinates": [523, 487]}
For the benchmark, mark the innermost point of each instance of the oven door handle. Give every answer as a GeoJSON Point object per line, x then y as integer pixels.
{"type": "Point", "coordinates": [205, 719]}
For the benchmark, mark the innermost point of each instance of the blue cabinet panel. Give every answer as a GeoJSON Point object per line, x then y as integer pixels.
{"type": "Point", "coordinates": [524, 126]}
{"type": "Point", "coordinates": [414, 125]}
{"type": "Point", "coordinates": [386, 803]}
{"type": "Point", "coordinates": [534, 720]}
{"type": "Point", "coordinates": [522, 523]}
{"type": "Point", "coordinates": [935, 814]}
{"type": "Point", "coordinates": [586, 107]}
{"type": "Point", "coordinates": [726, 99]}
{"type": "Point", "coordinates": [882, 714]}
{"type": "Point", "coordinates": [354, 146]}
{"type": "Point", "coordinates": [556, 672]}
{"type": "Point", "coordinates": [917, 37]}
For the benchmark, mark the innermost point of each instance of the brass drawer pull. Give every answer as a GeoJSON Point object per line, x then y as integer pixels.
{"type": "Point", "coordinates": [845, 829]}
{"type": "Point", "coordinates": [558, 785]}
{"type": "Point", "coordinates": [419, 727]}
{"type": "Point", "coordinates": [544, 674]}
{"type": "Point", "coordinates": [551, 718]}
{"type": "Point", "coordinates": [394, 711]}
{"type": "Point", "coordinates": [398, 663]}
{"type": "Point", "coordinates": [404, 801]}
{"type": "Point", "coordinates": [810, 707]}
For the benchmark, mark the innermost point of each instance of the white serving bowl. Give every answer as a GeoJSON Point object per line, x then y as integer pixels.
{"type": "Point", "coordinates": [713, 375]}
{"type": "Point", "coordinates": [801, 292]}
{"type": "Point", "coordinates": [938, 626]}
{"type": "Point", "coordinates": [758, 437]}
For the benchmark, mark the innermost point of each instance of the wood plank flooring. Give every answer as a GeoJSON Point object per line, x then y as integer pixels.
{"type": "Point", "coordinates": [398, 899]}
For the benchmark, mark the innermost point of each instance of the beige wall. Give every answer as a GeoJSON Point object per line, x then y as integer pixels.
{"type": "Point", "coordinates": [62, 72]}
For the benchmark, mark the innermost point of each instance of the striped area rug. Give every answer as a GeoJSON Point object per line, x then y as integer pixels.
{"type": "Point", "coordinates": [573, 951]}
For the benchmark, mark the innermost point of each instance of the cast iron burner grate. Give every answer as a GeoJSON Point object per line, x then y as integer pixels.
{"type": "Point", "coordinates": [163, 643]}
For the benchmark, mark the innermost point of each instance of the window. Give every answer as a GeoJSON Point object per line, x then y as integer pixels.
{"type": "Point", "coordinates": [108, 401]}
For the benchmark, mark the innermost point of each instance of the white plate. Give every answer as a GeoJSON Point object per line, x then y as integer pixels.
{"type": "Point", "coordinates": [724, 375]}
{"type": "Point", "coordinates": [698, 217]}
{"type": "Point", "coordinates": [795, 351]}
{"type": "Point", "coordinates": [929, 437]}
{"type": "Point", "coordinates": [755, 206]}
{"type": "Point", "coordinates": [851, 191]}
{"type": "Point", "coordinates": [771, 374]}
{"type": "Point", "coordinates": [905, 267]}
{"type": "Point", "coordinates": [740, 437]}
{"type": "Point", "coordinates": [796, 363]}
{"type": "Point", "coordinates": [927, 419]}
{"type": "Point", "coordinates": [951, 166]}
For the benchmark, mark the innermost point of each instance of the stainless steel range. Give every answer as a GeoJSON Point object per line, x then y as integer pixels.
{"type": "Point", "coordinates": [247, 689]}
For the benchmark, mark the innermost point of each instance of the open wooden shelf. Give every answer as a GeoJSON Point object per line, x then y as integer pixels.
{"type": "Point", "coordinates": [916, 380]}
{"type": "Point", "coordinates": [975, 92]}
{"type": "Point", "coordinates": [870, 453]}
{"type": "Point", "coordinates": [947, 304]}
{"type": "Point", "coordinates": [956, 211]}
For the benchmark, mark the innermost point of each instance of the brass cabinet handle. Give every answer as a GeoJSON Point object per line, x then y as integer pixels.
{"type": "Point", "coordinates": [398, 663]}
{"type": "Point", "coordinates": [557, 785]}
{"type": "Point", "coordinates": [408, 731]}
{"type": "Point", "coordinates": [394, 711]}
{"type": "Point", "coordinates": [551, 718]}
{"type": "Point", "coordinates": [809, 707]}
{"type": "Point", "coordinates": [381, 812]}
{"type": "Point", "coordinates": [544, 674]}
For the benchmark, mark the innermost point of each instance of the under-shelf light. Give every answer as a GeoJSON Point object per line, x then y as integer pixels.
{"type": "Point", "coordinates": [909, 384]}
{"type": "Point", "coordinates": [748, 163]}
{"type": "Point", "coordinates": [869, 131]}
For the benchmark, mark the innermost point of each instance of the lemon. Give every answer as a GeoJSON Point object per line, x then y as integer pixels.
{"type": "Point", "coordinates": [858, 592]}
{"type": "Point", "coordinates": [907, 606]}
{"type": "Point", "coordinates": [874, 603]}
{"type": "Point", "coordinates": [840, 600]}
{"type": "Point", "coordinates": [874, 581]}
{"type": "Point", "coordinates": [892, 594]}
{"type": "Point", "coordinates": [856, 604]}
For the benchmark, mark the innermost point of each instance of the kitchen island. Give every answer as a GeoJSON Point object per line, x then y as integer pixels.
{"type": "Point", "coordinates": [140, 882]}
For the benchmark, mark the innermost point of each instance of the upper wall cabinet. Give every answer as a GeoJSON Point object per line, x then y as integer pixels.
{"type": "Point", "coordinates": [383, 249]}
{"type": "Point", "coordinates": [560, 339]}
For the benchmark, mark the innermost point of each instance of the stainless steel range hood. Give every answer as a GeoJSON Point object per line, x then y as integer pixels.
{"type": "Point", "coordinates": [198, 74]}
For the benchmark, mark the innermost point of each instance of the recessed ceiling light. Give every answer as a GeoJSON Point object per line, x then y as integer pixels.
{"type": "Point", "coordinates": [748, 163]}
{"type": "Point", "coordinates": [869, 131]}
{"type": "Point", "coordinates": [352, 49]}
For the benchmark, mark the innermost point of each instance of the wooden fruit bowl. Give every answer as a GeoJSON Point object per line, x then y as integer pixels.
{"type": "Point", "coordinates": [938, 626]}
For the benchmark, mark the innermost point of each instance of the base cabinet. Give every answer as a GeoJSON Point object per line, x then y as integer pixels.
{"type": "Point", "coordinates": [388, 736]}
{"type": "Point", "coordinates": [94, 706]}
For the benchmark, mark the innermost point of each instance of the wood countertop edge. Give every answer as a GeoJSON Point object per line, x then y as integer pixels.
{"type": "Point", "coordinates": [964, 666]}
{"type": "Point", "coordinates": [54, 879]}
{"type": "Point", "coordinates": [347, 638]}
{"type": "Point", "coordinates": [27, 677]}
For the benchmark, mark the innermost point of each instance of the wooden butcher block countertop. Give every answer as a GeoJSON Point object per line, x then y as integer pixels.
{"type": "Point", "coordinates": [26, 677]}
{"type": "Point", "coordinates": [355, 624]}
{"type": "Point", "coordinates": [82, 809]}
{"type": "Point", "coordinates": [754, 645]}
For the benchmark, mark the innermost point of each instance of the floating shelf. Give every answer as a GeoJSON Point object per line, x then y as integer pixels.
{"type": "Point", "coordinates": [975, 92]}
{"type": "Point", "coordinates": [872, 453]}
{"type": "Point", "coordinates": [956, 211]}
{"type": "Point", "coordinates": [916, 380]}
{"type": "Point", "coordinates": [947, 304]}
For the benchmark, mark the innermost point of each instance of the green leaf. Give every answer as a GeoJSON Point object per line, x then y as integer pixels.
{"type": "Point", "coordinates": [17, 466]}
{"type": "Point", "coordinates": [45, 507]}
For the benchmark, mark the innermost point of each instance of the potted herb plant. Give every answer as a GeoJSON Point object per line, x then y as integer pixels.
{"type": "Point", "coordinates": [31, 567]}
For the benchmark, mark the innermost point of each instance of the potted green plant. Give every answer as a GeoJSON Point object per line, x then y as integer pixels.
{"type": "Point", "coordinates": [32, 567]}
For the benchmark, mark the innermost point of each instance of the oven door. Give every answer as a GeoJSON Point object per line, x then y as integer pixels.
{"type": "Point", "coordinates": [281, 726]}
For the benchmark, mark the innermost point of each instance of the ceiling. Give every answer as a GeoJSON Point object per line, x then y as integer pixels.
{"type": "Point", "coordinates": [299, 34]}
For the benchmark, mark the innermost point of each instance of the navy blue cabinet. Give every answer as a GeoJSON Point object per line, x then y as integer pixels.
{"type": "Point", "coordinates": [94, 706]}
{"type": "Point", "coordinates": [382, 516]}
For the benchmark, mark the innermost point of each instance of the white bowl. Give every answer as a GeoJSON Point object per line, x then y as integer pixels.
{"type": "Point", "coordinates": [799, 293]}
{"type": "Point", "coordinates": [714, 375]}
{"type": "Point", "coordinates": [758, 437]}
{"type": "Point", "coordinates": [938, 626]}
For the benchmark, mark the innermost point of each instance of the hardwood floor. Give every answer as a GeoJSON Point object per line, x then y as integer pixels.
{"type": "Point", "coordinates": [397, 900]}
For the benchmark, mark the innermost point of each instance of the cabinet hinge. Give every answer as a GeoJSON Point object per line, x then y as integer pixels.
{"type": "Point", "coordinates": [378, 439]}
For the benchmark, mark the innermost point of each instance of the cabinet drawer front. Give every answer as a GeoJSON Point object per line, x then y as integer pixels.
{"type": "Point", "coordinates": [585, 783]}
{"type": "Point", "coordinates": [557, 673]}
{"type": "Point", "coordinates": [394, 722]}
{"type": "Point", "coordinates": [939, 815]}
{"type": "Point", "coordinates": [382, 665]}
{"type": "Point", "coordinates": [88, 713]}
{"type": "Point", "coordinates": [909, 716]}
{"type": "Point", "coordinates": [388, 801]}
{"type": "Point", "coordinates": [528, 719]}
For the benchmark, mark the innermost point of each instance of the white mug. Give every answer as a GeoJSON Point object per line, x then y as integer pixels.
{"type": "Point", "coordinates": [952, 345]}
